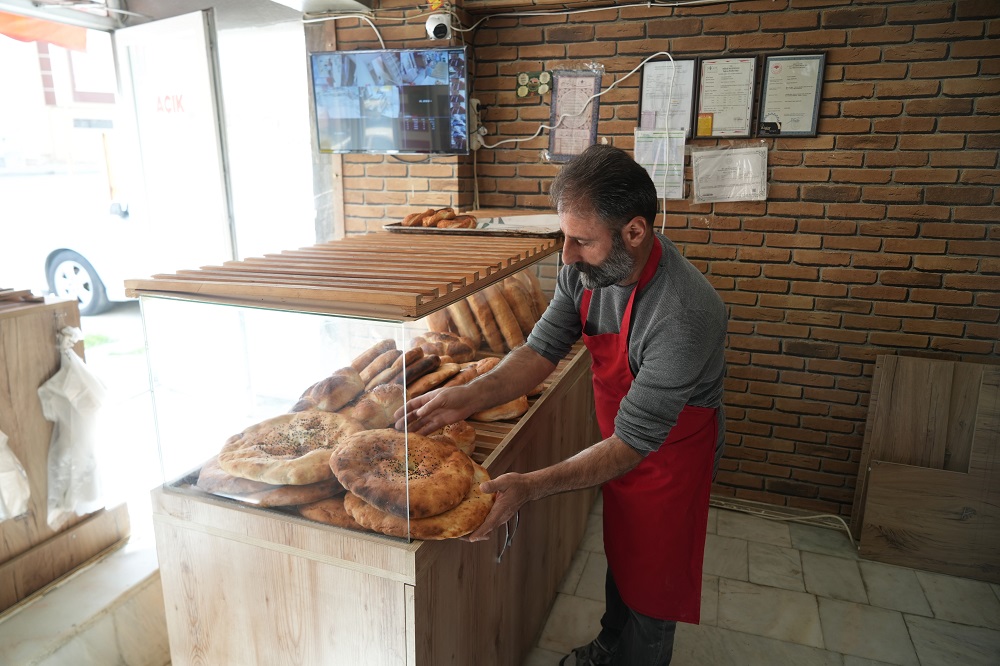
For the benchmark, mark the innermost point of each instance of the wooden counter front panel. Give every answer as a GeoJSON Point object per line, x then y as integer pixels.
{"type": "Point", "coordinates": [471, 610]}
{"type": "Point", "coordinates": [263, 606]}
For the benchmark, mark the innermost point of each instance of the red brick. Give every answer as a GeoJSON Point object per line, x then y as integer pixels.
{"type": "Point", "coordinates": [881, 35]}
{"type": "Point", "coordinates": [755, 42]}
{"type": "Point", "coordinates": [909, 279]}
{"type": "Point", "coordinates": [854, 17]}
{"type": "Point", "coordinates": [868, 142]}
{"type": "Point", "coordinates": [917, 52]}
{"type": "Point", "coordinates": [985, 331]}
{"type": "Point", "coordinates": [963, 346]}
{"type": "Point", "coordinates": [981, 176]}
{"type": "Point", "coordinates": [907, 89]}
{"type": "Point", "coordinates": [786, 301]}
{"type": "Point", "coordinates": [832, 193]}
{"type": "Point", "coordinates": [984, 315]}
{"type": "Point", "coordinates": [775, 390]}
{"type": "Point", "coordinates": [919, 212]}
{"type": "Point", "coordinates": [889, 228]}
{"type": "Point", "coordinates": [973, 282]}
{"type": "Point", "coordinates": [849, 275]}
{"type": "Point", "coordinates": [873, 260]}
{"type": "Point", "coordinates": [981, 248]}
{"type": "Point", "coordinates": [878, 293]}
{"type": "Point", "coordinates": [933, 327]}
{"type": "Point", "coordinates": [794, 241]}
{"type": "Point", "coordinates": [875, 71]}
{"type": "Point", "coordinates": [852, 243]}
{"type": "Point", "coordinates": [872, 323]}
{"type": "Point", "coordinates": [936, 142]}
{"type": "Point", "coordinates": [824, 226]}
{"type": "Point", "coordinates": [819, 289]}
{"type": "Point", "coordinates": [856, 211]}
{"type": "Point", "coordinates": [965, 124]}
{"type": "Point", "coordinates": [896, 159]}
{"type": "Point", "coordinates": [943, 69]}
{"type": "Point", "coordinates": [814, 318]}
{"type": "Point", "coordinates": [844, 125]}
{"type": "Point", "coordinates": [834, 159]}
{"type": "Point", "coordinates": [815, 38]}
{"type": "Point", "coordinates": [769, 224]}
{"type": "Point", "coordinates": [902, 125]}
{"type": "Point", "coordinates": [987, 48]}
{"type": "Point", "coordinates": [945, 264]}
{"type": "Point", "coordinates": [950, 31]}
{"type": "Point", "coordinates": [939, 107]}
{"type": "Point", "coordinates": [880, 176]}
{"type": "Point", "coordinates": [915, 246]}
{"type": "Point", "coordinates": [930, 175]}
{"type": "Point", "coordinates": [921, 12]}
{"type": "Point", "coordinates": [965, 158]}
{"type": "Point", "coordinates": [705, 44]}
{"type": "Point", "coordinates": [957, 230]}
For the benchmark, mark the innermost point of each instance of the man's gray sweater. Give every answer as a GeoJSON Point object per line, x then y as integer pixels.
{"type": "Point", "coordinates": [676, 343]}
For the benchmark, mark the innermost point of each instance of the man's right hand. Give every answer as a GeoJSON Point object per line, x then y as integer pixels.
{"type": "Point", "coordinates": [436, 409]}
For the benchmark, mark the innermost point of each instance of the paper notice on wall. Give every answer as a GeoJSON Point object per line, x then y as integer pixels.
{"type": "Point", "coordinates": [662, 155]}
{"type": "Point", "coordinates": [730, 174]}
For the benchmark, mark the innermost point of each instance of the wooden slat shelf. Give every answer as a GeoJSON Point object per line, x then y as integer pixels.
{"type": "Point", "coordinates": [383, 275]}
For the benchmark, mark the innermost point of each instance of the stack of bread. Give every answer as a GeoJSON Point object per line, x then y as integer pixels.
{"type": "Point", "coordinates": [288, 460]}
{"type": "Point", "coordinates": [442, 218]}
{"type": "Point", "coordinates": [498, 318]}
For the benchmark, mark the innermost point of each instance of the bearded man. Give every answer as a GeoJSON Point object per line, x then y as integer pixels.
{"type": "Point", "coordinates": [656, 331]}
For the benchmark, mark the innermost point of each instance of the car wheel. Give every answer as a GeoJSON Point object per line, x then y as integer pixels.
{"type": "Point", "coordinates": [72, 276]}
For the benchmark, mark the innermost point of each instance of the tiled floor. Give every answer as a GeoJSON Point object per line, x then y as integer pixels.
{"type": "Point", "coordinates": [779, 593]}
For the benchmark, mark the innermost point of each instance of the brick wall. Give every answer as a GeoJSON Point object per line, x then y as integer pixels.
{"type": "Point", "coordinates": [880, 236]}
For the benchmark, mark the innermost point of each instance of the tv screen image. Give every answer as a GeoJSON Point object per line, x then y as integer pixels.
{"type": "Point", "coordinates": [392, 101]}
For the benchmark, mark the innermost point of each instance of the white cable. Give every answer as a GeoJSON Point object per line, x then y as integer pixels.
{"type": "Point", "coordinates": [323, 19]}
{"type": "Point", "coordinates": [763, 513]}
{"type": "Point", "coordinates": [585, 105]}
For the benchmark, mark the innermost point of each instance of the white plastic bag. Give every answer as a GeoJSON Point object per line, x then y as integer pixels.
{"type": "Point", "coordinates": [72, 400]}
{"type": "Point", "coordinates": [14, 489]}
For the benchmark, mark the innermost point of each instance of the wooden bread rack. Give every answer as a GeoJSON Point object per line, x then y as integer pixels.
{"type": "Point", "coordinates": [380, 275]}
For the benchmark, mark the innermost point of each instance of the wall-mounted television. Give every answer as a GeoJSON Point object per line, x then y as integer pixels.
{"type": "Point", "coordinates": [392, 101]}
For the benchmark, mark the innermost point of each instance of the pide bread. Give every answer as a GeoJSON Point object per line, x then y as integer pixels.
{"type": "Point", "coordinates": [407, 359]}
{"type": "Point", "coordinates": [332, 393]}
{"type": "Point", "coordinates": [461, 434]}
{"type": "Point", "coordinates": [487, 324]}
{"type": "Point", "coordinates": [465, 322]}
{"type": "Point", "coordinates": [384, 467]}
{"type": "Point", "coordinates": [445, 343]}
{"type": "Point", "coordinates": [541, 302]}
{"type": "Point", "coordinates": [459, 521]}
{"type": "Point", "coordinates": [213, 480]}
{"type": "Point", "coordinates": [331, 512]}
{"type": "Point", "coordinates": [506, 322]}
{"type": "Point", "coordinates": [287, 449]}
{"type": "Point", "coordinates": [423, 365]}
{"type": "Point", "coordinates": [432, 380]}
{"type": "Point", "coordinates": [373, 352]}
{"type": "Point", "coordinates": [509, 410]}
{"type": "Point", "coordinates": [380, 364]}
{"type": "Point", "coordinates": [374, 409]}
{"type": "Point", "coordinates": [464, 376]}
{"type": "Point", "coordinates": [439, 321]}
{"type": "Point", "coordinates": [518, 297]}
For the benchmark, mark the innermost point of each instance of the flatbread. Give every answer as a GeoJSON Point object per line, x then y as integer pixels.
{"type": "Point", "coordinates": [332, 393]}
{"type": "Point", "coordinates": [457, 522]}
{"type": "Point", "coordinates": [461, 434]}
{"type": "Point", "coordinates": [375, 408]}
{"type": "Point", "coordinates": [376, 464]}
{"type": "Point", "coordinates": [514, 409]}
{"type": "Point", "coordinates": [287, 449]}
{"type": "Point", "coordinates": [213, 480]}
{"type": "Point", "coordinates": [331, 512]}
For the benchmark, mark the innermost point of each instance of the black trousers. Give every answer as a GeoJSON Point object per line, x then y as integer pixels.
{"type": "Point", "coordinates": [633, 638]}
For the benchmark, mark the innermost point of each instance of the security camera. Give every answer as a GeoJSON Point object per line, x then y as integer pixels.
{"type": "Point", "coordinates": [439, 26]}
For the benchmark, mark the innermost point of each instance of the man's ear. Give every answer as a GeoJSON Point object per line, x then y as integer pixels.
{"type": "Point", "coordinates": [636, 231]}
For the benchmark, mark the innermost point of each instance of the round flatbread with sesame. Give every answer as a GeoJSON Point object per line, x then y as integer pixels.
{"type": "Point", "coordinates": [290, 449]}
{"type": "Point", "coordinates": [463, 519]}
{"type": "Point", "coordinates": [213, 480]}
{"type": "Point", "coordinates": [331, 512]}
{"type": "Point", "coordinates": [385, 469]}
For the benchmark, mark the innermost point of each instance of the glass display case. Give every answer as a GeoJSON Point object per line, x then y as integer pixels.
{"type": "Point", "coordinates": [233, 347]}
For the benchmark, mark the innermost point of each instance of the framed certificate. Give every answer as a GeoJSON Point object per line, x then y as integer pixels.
{"type": "Point", "coordinates": [571, 97]}
{"type": "Point", "coordinates": [725, 97]}
{"type": "Point", "coordinates": [666, 100]}
{"type": "Point", "coordinates": [790, 95]}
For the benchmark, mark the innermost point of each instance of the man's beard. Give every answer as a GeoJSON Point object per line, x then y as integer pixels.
{"type": "Point", "coordinates": [618, 266]}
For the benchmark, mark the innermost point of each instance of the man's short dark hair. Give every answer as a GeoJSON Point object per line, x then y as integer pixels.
{"type": "Point", "coordinates": [604, 180]}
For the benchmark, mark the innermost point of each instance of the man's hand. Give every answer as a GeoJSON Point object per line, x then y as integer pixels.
{"type": "Point", "coordinates": [513, 490]}
{"type": "Point", "coordinates": [435, 409]}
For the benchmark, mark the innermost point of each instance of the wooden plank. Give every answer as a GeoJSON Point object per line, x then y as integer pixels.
{"type": "Point", "coordinates": [932, 519]}
{"type": "Point", "coordinates": [984, 460]}
{"type": "Point", "coordinates": [962, 424]}
{"type": "Point", "coordinates": [61, 554]}
{"type": "Point", "coordinates": [911, 425]}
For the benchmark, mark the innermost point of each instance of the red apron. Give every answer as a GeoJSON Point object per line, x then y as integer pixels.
{"type": "Point", "coordinates": [655, 516]}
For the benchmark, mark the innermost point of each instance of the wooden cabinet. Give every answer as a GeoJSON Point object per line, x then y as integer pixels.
{"type": "Point", "coordinates": [31, 554]}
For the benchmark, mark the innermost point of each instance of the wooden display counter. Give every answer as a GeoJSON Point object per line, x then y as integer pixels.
{"type": "Point", "coordinates": [32, 555]}
{"type": "Point", "coordinates": [245, 585]}
{"type": "Point", "coordinates": [254, 586]}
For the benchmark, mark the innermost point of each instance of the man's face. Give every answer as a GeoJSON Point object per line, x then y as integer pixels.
{"type": "Point", "coordinates": [598, 253]}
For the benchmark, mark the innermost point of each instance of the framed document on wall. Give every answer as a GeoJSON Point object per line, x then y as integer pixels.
{"type": "Point", "coordinates": [790, 95]}
{"type": "Point", "coordinates": [725, 97]}
{"type": "Point", "coordinates": [666, 101]}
